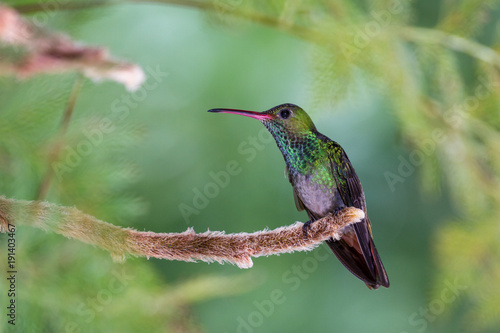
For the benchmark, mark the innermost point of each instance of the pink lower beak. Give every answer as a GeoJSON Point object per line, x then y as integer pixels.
{"type": "Point", "coordinates": [251, 114]}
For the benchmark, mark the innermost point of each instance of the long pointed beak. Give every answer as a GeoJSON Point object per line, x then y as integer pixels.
{"type": "Point", "coordinates": [251, 114]}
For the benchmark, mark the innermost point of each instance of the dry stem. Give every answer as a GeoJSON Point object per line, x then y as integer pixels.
{"type": "Point", "coordinates": [44, 187]}
{"type": "Point", "coordinates": [187, 246]}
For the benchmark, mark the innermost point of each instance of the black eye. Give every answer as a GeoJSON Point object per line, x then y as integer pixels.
{"type": "Point", "coordinates": [285, 113]}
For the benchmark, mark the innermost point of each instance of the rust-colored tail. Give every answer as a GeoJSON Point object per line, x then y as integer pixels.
{"type": "Point", "coordinates": [357, 252]}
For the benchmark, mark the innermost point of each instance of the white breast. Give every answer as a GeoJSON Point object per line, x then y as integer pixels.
{"type": "Point", "coordinates": [318, 199]}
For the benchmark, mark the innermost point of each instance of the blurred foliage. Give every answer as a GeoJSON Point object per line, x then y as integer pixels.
{"type": "Point", "coordinates": [425, 72]}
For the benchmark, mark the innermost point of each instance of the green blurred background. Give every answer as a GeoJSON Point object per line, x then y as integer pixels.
{"type": "Point", "coordinates": [439, 247]}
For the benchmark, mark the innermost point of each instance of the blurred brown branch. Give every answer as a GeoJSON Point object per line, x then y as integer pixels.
{"type": "Point", "coordinates": [187, 246]}
{"type": "Point", "coordinates": [27, 49]}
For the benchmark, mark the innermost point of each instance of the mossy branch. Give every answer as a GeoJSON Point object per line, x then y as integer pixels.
{"type": "Point", "coordinates": [187, 246]}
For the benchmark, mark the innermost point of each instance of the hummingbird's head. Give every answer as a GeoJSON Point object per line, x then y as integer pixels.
{"type": "Point", "coordinates": [282, 119]}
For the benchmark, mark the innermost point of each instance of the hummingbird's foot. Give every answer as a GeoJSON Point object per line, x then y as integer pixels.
{"type": "Point", "coordinates": [306, 226]}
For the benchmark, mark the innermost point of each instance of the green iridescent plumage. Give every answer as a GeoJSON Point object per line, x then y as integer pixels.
{"type": "Point", "coordinates": [323, 181]}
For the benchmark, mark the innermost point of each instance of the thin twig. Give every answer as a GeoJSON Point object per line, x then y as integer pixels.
{"type": "Point", "coordinates": [414, 34]}
{"type": "Point", "coordinates": [452, 42]}
{"type": "Point", "coordinates": [56, 149]}
{"type": "Point", "coordinates": [30, 8]}
{"type": "Point", "coordinates": [271, 21]}
{"type": "Point", "coordinates": [187, 246]}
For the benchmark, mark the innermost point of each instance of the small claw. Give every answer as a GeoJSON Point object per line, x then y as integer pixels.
{"type": "Point", "coordinates": [306, 226]}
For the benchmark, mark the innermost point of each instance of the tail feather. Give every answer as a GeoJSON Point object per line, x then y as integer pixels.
{"type": "Point", "coordinates": [357, 252]}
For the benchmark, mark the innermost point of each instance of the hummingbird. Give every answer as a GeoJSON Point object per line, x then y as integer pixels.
{"type": "Point", "coordinates": [323, 181]}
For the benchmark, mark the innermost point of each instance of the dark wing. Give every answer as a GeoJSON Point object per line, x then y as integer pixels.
{"type": "Point", "coordinates": [346, 178]}
{"type": "Point", "coordinates": [356, 249]}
